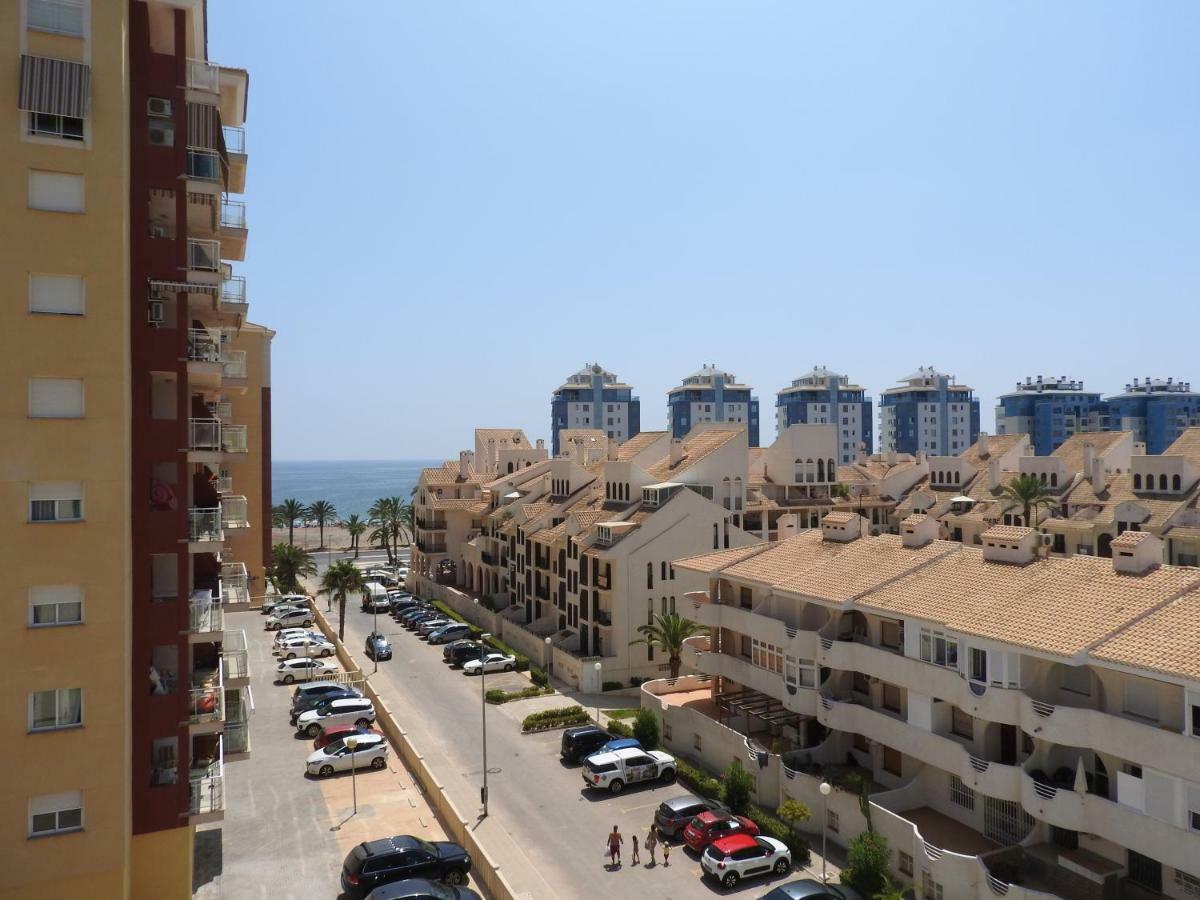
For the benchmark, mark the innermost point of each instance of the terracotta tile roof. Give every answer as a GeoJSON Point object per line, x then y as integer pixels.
{"type": "Point", "coordinates": [839, 518]}
{"type": "Point", "coordinates": [1007, 533]}
{"type": "Point", "coordinates": [514, 436]}
{"type": "Point", "coordinates": [695, 449]}
{"type": "Point", "coordinates": [1187, 444]}
{"type": "Point", "coordinates": [719, 559]}
{"type": "Point", "coordinates": [914, 519]}
{"type": "Point", "coordinates": [534, 511]}
{"type": "Point", "coordinates": [1070, 451]}
{"type": "Point", "coordinates": [1130, 539]}
{"type": "Point", "coordinates": [1117, 490]}
{"type": "Point", "coordinates": [1183, 532]}
{"type": "Point", "coordinates": [850, 570]}
{"type": "Point", "coordinates": [1165, 641]}
{"type": "Point", "coordinates": [998, 445]}
{"type": "Point", "coordinates": [637, 444]}
{"type": "Point", "coordinates": [447, 473]}
{"type": "Point", "coordinates": [470, 503]}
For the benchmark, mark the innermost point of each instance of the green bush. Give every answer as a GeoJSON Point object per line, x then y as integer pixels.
{"type": "Point", "coordinates": [737, 787]}
{"type": "Point", "coordinates": [563, 715]}
{"type": "Point", "coordinates": [612, 686]}
{"type": "Point", "coordinates": [773, 826]}
{"type": "Point", "coordinates": [619, 728]}
{"type": "Point", "coordinates": [539, 676]}
{"type": "Point", "coordinates": [697, 780]}
{"type": "Point", "coordinates": [498, 696]}
{"type": "Point", "coordinates": [867, 863]}
{"type": "Point", "coordinates": [645, 728]}
{"type": "Point", "coordinates": [638, 681]}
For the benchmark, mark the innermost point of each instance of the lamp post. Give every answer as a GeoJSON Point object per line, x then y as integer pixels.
{"type": "Point", "coordinates": [352, 743]}
{"type": "Point", "coordinates": [599, 690]}
{"type": "Point", "coordinates": [825, 789]}
{"type": "Point", "coordinates": [483, 794]}
{"type": "Point", "coordinates": [549, 656]}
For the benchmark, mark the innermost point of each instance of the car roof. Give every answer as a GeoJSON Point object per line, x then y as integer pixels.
{"type": "Point", "coordinates": [735, 842]}
{"type": "Point", "coordinates": [387, 845]}
{"type": "Point", "coordinates": [584, 729]}
{"type": "Point", "coordinates": [683, 801]}
{"type": "Point", "coordinates": [624, 744]}
{"type": "Point", "coordinates": [810, 887]}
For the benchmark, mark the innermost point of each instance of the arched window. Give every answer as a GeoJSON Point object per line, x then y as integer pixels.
{"type": "Point", "coordinates": [831, 470]}
{"type": "Point", "coordinates": [820, 470]}
{"type": "Point", "coordinates": [649, 575]}
{"type": "Point", "coordinates": [957, 477]}
{"type": "Point", "coordinates": [808, 470]}
{"type": "Point", "coordinates": [1162, 482]}
{"type": "Point", "coordinates": [1176, 484]}
{"type": "Point", "coordinates": [662, 572]}
{"type": "Point", "coordinates": [1137, 482]}
{"type": "Point", "coordinates": [1053, 479]}
{"type": "Point", "coordinates": [510, 467]}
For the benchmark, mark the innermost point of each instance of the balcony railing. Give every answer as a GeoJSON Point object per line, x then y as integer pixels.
{"type": "Point", "coordinates": [207, 703]}
{"type": "Point", "coordinates": [429, 547]}
{"type": "Point", "coordinates": [223, 484]}
{"type": "Point", "coordinates": [206, 616]}
{"type": "Point", "coordinates": [204, 434]}
{"type": "Point", "coordinates": [234, 363]}
{"type": "Point", "coordinates": [235, 583]}
{"type": "Point", "coordinates": [222, 410]}
{"type": "Point", "coordinates": [203, 165]}
{"type": "Point", "coordinates": [204, 256]}
{"type": "Point", "coordinates": [207, 792]}
{"type": "Point", "coordinates": [234, 512]}
{"type": "Point", "coordinates": [204, 344]}
{"type": "Point", "coordinates": [233, 289]}
{"type": "Point", "coordinates": [204, 524]}
{"type": "Point", "coordinates": [235, 139]}
{"type": "Point", "coordinates": [235, 663]}
{"type": "Point", "coordinates": [203, 75]}
{"type": "Point", "coordinates": [233, 214]}
{"type": "Point", "coordinates": [233, 438]}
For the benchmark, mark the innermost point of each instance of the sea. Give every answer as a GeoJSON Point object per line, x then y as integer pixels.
{"type": "Point", "coordinates": [352, 486]}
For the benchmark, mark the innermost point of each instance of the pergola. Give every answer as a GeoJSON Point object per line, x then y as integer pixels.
{"type": "Point", "coordinates": [765, 708]}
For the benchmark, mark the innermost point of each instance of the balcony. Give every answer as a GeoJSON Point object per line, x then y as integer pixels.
{"type": "Point", "coordinates": [222, 484]}
{"type": "Point", "coordinates": [233, 229]}
{"type": "Point", "coordinates": [206, 789]}
{"type": "Point", "coordinates": [222, 410]}
{"type": "Point", "coordinates": [206, 701]}
{"type": "Point", "coordinates": [203, 75]}
{"type": "Point", "coordinates": [205, 528]}
{"type": "Point", "coordinates": [206, 614]}
{"type": "Point", "coordinates": [233, 368]}
{"type": "Point", "coordinates": [213, 436]}
{"type": "Point", "coordinates": [235, 141]}
{"type": "Point", "coordinates": [204, 261]}
{"type": "Point", "coordinates": [204, 166]}
{"type": "Point", "coordinates": [236, 736]}
{"type": "Point", "coordinates": [233, 295]}
{"type": "Point", "coordinates": [431, 525]}
{"type": "Point", "coordinates": [754, 624]}
{"type": "Point", "coordinates": [430, 547]}
{"type": "Point", "coordinates": [235, 660]}
{"type": "Point", "coordinates": [204, 345]}
{"type": "Point", "coordinates": [235, 512]}
{"type": "Point", "coordinates": [235, 583]}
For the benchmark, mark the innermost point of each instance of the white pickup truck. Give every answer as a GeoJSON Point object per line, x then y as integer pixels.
{"type": "Point", "coordinates": [612, 771]}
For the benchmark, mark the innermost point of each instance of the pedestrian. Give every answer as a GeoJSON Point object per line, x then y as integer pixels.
{"type": "Point", "coordinates": [633, 856]}
{"type": "Point", "coordinates": [614, 846]}
{"type": "Point", "coordinates": [652, 843]}
{"type": "Point", "coordinates": [666, 850]}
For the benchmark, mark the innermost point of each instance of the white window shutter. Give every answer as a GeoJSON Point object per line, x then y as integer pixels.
{"type": "Point", "coordinates": [55, 191]}
{"type": "Point", "coordinates": [56, 294]}
{"type": "Point", "coordinates": [56, 490]}
{"type": "Point", "coordinates": [56, 398]}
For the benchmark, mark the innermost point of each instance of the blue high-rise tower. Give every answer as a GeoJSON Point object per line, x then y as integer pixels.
{"type": "Point", "coordinates": [822, 397]}
{"type": "Point", "coordinates": [594, 398]}
{"type": "Point", "coordinates": [1050, 410]}
{"type": "Point", "coordinates": [711, 395]}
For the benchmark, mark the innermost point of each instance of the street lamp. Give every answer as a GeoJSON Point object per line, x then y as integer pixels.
{"type": "Point", "coordinates": [352, 743]}
{"type": "Point", "coordinates": [483, 794]}
{"type": "Point", "coordinates": [549, 657]}
{"type": "Point", "coordinates": [825, 789]}
{"type": "Point", "coordinates": [599, 686]}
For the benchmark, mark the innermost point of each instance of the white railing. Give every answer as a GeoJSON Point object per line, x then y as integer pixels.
{"type": "Point", "coordinates": [233, 438]}
{"type": "Point", "coordinates": [204, 434]}
{"type": "Point", "coordinates": [204, 344]}
{"type": "Point", "coordinates": [234, 512]}
{"type": "Point", "coordinates": [203, 164]}
{"type": "Point", "coordinates": [235, 139]}
{"type": "Point", "coordinates": [222, 410]}
{"type": "Point", "coordinates": [233, 214]}
{"type": "Point", "coordinates": [207, 792]}
{"type": "Point", "coordinates": [233, 289]}
{"type": "Point", "coordinates": [203, 75]}
{"type": "Point", "coordinates": [206, 616]}
{"type": "Point", "coordinates": [223, 484]}
{"type": "Point", "coordinates": [235, 583]}
{"type": "Point", "coordinates": [204, 524]}
{"type": "Point", "coordinates": [204, 256]}
{"type": "Point", "coordinates": [234, 363]}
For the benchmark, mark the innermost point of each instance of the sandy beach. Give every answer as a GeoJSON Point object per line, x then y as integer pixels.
{"type": "Point", "coordinates": [336, 538]}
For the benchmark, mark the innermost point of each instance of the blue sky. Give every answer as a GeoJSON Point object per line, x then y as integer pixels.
{"type": "Point", "coordinates": [455, 205]}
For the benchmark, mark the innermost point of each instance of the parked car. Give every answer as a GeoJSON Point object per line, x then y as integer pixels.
{"type": "Point", "coordinates": [713, 826]}
{"type": "Point", "coordinates": [378, 647]}
{"type": "Point", "coordinates": [292, 670]}
{"type": "Point", "coordinates": [398, 594]}
{"type": "Point", "coordinates": [582, 741]}
{"type": "Point", "coordinates": [289, 617]}
{"type": "Point", "coordinates": [306, 692]}
{"type": "Point", "coordinates": [415, 618]}
{"type": "Point", "coordinates": [356, 710]}
{"type": "Point", "coordinates": [740, 856]}
{"type": "Point", "coordinates": [422, 889]}
{"type": "Point", "coordinates": [304, 645]}
{"type": "Point", "coordinates": [339, 692]}
{"type": "Point", "coordinates": [375, 863]}
{"type": "Point", "coordinates": [673, 815]}
{"type": "Point", "coordinates": [406, 601]}
{"type": "Point", "coordinates": [464, 652]}
{"type": "Point", "coordinates": [452, 632]}
{"type": "Point", "coordinates": [337, 732]}
{"type": "Point", "coordinates": [612, 771]}
{"type": "Point", "coordinates": [284, 634]}
{"type": "Point", "coordinates": [271, 603]}
{"type": "Point", "coordinates": [492, 662]}
{"type": "Point", "coordinates": [370, 750]}
{"type": "Point", "coordinates": [811, 889]}
{"type": "Point", "coordinates": [620, 744]}
{"type": "Point", "coordinates": [429, 626]}
{"type": "Point", "coordinates": [406, 608]}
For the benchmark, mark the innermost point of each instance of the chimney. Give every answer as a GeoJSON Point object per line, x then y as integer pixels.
{"type": "Point", "coordinates": [891, 456]}
{"type": "Point", "coordinates": [1012, 544]}
{"type": "Point", "coordinates": [1089, 462]}
{"type": "Point", "coordinates": [994, 474]}
{"type": "Point", "coordinates": [860, 456]}
{"type": "Point", "coordinates": [918, 530]}
{"type": "Point", "coordinates": [842, 527]}
{"type": "Point", "coordinates": [676, 452]}
{"type": "Point", "coordinates": [981, 446]}
{"type": "Point", "coordinates": [920, 456]}
{"type": "Point", "coordinates": [1136, 552]}
{"type": "Point", "coordinates": [611, 450]}
{"type": "Point", "coordinates": [541, 443]}
{"type": "Point", "coordinates": [464, 465]}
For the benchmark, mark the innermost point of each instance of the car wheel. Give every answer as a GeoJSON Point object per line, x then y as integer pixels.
{"type": "Point", "coordinates": [326, 653]}
{"type": "Point", "coordinates": [326, 771]}
{"type": "Point", "coordinates": [313, 731]}
{"type": "Point", "coordinates": [617, 786]}
{"type": "Point", "coordinates": [289, 679]}
{"type": "Point", "coordinates": [378, 762]}
{"type": "Point", "coordinates": [730, 880]}
{"type": "Point", "coordinates": [667, 776]}
{"type": "Point", "coordinates": [363, 723]}
{"type": "Point", "coordinates": [454, 876]}
{"type": "Point", "coordinates": [307, 623]}
{"type": "Point", "coordinates": [508, 667]}
{"type": "Point", "coordinates": [290, 656]}
{"type": "Point", "coordinates": [781, 867]}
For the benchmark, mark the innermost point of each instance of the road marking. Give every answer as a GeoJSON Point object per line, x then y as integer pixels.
{"type": "Point", "coordinates": [643, 806]}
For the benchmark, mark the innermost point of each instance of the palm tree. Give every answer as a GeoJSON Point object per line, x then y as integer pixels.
{"type": "Point", "coordinates": [340, 579]}
{"type": "Point", "coordinates": [292, 510]}
{"type": "Point", "coordinates": [386, 513]}
{"type": "Point", "coordinates": [277, 518]}
{"type": "Point", "coordinates": [288, 565]}
{"type": "Point", "coordinates": [1027, 492]}
{"type": "Point", "coordinates": [381, 536]}
{"type": "Point", "coordinates": [322, 511]}
{"type": "Point", "coordinates": [355, 526]}
{"type": "Point", "coordinates": [407, 520]}
{"type": "Point", "coordinates": [669, 632]}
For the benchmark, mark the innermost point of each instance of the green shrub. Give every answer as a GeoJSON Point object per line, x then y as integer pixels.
{"type": "Point", "coordinates": [645, 728]}
{"type": "Point", "coordinates": [697, 780]}
{"type": "Point", "coordinates": [775, 827]}
{"type": "Point", "coordinates": [563, 715]}
{"type": "Point", "coordinates": [619, 728]}
{"type": "Point", "coordinates": [539, 676]}
{"type": "Point", "coordinates": [612, 686]}
{"type": "Point", "coordinates": [638, 681]}
{"type": "Point", "coordinates": [737, 787]}
{"type": "Point", "coordinates": [498, 696]}
{"type": "Point", "coordinates": [867, 863]}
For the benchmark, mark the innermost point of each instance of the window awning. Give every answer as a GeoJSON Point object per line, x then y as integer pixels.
{"type": "Point", "coordinates": [203, 126]}
{"type": "Point", "coordinates": [183, 286]}
{"type": "Point", "coordinates": [54, 86]}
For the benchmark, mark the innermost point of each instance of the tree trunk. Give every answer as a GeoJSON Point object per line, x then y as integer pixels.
{"type": "Point", "coordinates": [291, 529]}
{"type": "Point", "coordinates": [342, 616]}
{"type": "Point", "coordinates": [321, 525]}
{"type": "Point", "coordinates": [675, 663]}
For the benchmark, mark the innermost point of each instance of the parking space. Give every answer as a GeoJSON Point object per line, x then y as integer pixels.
{"type": "Point", "coordinates": [284, 833]}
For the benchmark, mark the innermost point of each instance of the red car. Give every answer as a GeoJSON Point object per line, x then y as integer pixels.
{"type": "Point", "coordinates": [337, 732]}
{"type": "Point", "coordinates": [712, 826]}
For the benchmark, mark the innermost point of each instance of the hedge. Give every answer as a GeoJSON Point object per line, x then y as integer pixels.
{"type": "Point", "coordinates": [619, 728]}
{"type": "Point", "coordinates": [772, 826]}
{"type": "Point", "coordinates": [612, 686]}
{"type": "Point", "coordinates": [699, 781]}
{"type": "Point", "coordinates": [561, 716]}
{"type": "Point", "coordinates": [494, 642]}
{"type": "Point", "coordinates": [498, 696]}
{"type": "Point", "coordinates": [539, 676]}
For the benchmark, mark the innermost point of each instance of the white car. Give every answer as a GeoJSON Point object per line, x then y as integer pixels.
{"type": "Point", "coordinates": [305, 645]}
{"type": "Point", "coordinates": [347, 711]}
{"type": "Point", "coordinates": [292, 670]}
{"type": "Point", "coordinates": [493, 662]}
{"type": "Point", "coordinates": [429, 626]}
{"type": "Point", "coordinates": [272, 603]}
{"type": "Point", "coordinates": [739, 856]}
{"type": "Point", "coordinates": [612, 771]}
{"type": "Point", "coordinates": [286, 634]}
{"type": "Point", "coordinates": [371, 750]}
{"type": "Point", "coordinates": [290, 617]}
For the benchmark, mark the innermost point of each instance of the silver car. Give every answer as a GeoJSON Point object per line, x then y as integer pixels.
{"type": "Point", "coordinates": [371, 751]}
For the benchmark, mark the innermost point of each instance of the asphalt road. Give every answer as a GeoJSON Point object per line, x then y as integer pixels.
{"type": "Point", "coordinates": [541, 802]}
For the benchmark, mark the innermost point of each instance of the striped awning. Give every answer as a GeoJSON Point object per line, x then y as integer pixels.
{"type": "Point", "coordinates": [203, 126]}
{"type": "Point", "coordinates": [54, 86]}
{"type": "Point", "coordinates": [186, 287]}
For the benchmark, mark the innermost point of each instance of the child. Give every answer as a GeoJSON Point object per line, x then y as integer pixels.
{"type": "Point", "coordinates": [666, 850]}
{"type": "Point", "coordinates": [634, 856]}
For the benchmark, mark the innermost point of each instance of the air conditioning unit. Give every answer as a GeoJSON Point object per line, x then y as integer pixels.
{"type": "Point", "coordinates": [156, 313]}
{"type": "Point", "coordinates": [1047, 540]}
{"type": "Point", "coordinates": [160, 107]}
{"type": "Point", "coordinates": [162, 134]}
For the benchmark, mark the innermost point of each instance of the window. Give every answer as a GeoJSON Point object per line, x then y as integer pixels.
{"type": "Point", "coordinates": [891, 635]}
{"type": "Point", "coordinates": [767, 656]}
{"type": "Point", "coordinates": [61, 294]}
{"type": "Point", "coordinates": [58, 16]}
{"type": "Point", "coordinates": [904, 862]}
{"type": "Point", "coordinates": [56, 192]}
{"type": "Point", "coordinates": [800, 672]}
{"type": "Point", "coordinates": [649, 575]}
{"type": "Point", "coordinates": [66, 128]}
{"type": "Point", "coordinates": [55, 605]}
{"type": "Point", "coordinates": [164, 576]}
{"type": "Point", "coordinates": [892, 761]}
{"type": "Point", "coordinates": [978, 665]}
{"type": "Point", "coordinates": [930, 889]}
{"type": "Point", "coordinates": [891, 697]}
{"type": "Point", "coordinates": [962, 723]}
{"type": "Point", "coordinates": [56, 398]}
{"type": "Point", "coordinates": [55, 813]}
{"type": "Point", "coordinates": [860, 683]}
{"type": "Point", "coordinates": [831, 820]}
{"type": "Point", "coordinates": [939, 649]}
{"type": "Point", "coordinates": [51, 502]}
{"type": "Point", "coordinates": [49, 710]}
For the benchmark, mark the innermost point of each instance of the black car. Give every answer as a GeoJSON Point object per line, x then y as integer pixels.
{"type": "Point", "coordinates": [378, 647]}
{"type": "Point", "coordinates": [809, 889]}
{"type": "Point", "coordinates": [414, 612]}
{"type": "Point", "coordinates": [316, 689]}
{"type": "Point", "coordinates": [673, 815]}
{"type": "Point", "coordinates": [312, 702]}
{"type": "Point", "coordinates": [465, 651]}
{"type": "Point", "coordinates": [448, 649]}
{"type": "Point", "coordinates": [421, 889]}
{"type": "Point", "coordinates": [411, 622]}
{"type": "Point", "coordinates": [578, 743]}
{"type": "Point", "coordinates": [405, 601]}
{"type": "Point", "coordinates": [375, 863]}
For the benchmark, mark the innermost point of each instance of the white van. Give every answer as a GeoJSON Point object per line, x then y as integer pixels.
{"type": "Point", "coordinates": [375, 597]}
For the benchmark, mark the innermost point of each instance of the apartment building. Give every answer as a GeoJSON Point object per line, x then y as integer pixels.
{"type": "Point", "coordinates": [1156, 410]}
{"type": "Point", "coordinates": [594, 398]}
{"type": "Point", "coordinates": [711, 395]}
{"type": "Point", "coordinates": [133, 456]}
{"type": "Point", "coordinates": [1050, 410]}
{"type": "Point", "coordinates": [928, 412]}
{"type": "Point", "coordinates": [825, 397]}
{"type": "Point", "coordinates": [1026, 725]}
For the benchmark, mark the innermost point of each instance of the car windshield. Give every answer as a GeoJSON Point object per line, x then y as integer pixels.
{"type": "Point", "coordinates": [713, 852]}
{"type": "Point", "coordinates": [697, 824]}
{"type": "Point", "coordinates": [601, 767]}
{"type": "Point", "coordinates": [334, 747]}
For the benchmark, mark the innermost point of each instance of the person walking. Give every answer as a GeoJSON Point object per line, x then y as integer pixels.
{"type": "Point", "coordinates": [666, 849]}
{"type": "Point", "coordinates": [614, 846]}
{"type": "Point", "coordinates": [633, 846]}
{"type": "Point", "coordinates": [652, 843]}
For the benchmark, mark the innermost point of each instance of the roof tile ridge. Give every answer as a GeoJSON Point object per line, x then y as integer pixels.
{"type": "Point", "coordinates": [952, 548]}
